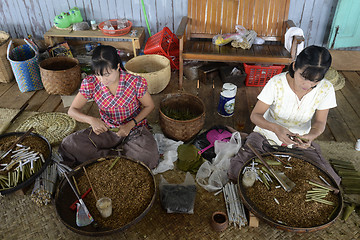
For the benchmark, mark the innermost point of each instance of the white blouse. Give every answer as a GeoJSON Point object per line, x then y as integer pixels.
{"type": "Point", "coordinates": [288, 111]}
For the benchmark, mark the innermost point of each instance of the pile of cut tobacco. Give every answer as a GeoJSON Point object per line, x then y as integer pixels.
{"type": "Point", "coordinates": [128, 184]}
{"type": "Point", "coordinates": [304, 206]}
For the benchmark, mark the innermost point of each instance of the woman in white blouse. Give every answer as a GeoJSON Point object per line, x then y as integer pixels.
{"type": "Point", "coordinates": [293, 104]}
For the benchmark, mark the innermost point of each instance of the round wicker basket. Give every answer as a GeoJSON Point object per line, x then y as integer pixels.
{"type": "Point", "coordinates": [182, 130]}
{"type": "Point", "coordinates": [6, 74]}
{"type": "Point", "coordinates": [60, 75]}
{"type": "Point", "coordinates": [154, 68]}
{"type": "Point", "coordinates": [336, 78]}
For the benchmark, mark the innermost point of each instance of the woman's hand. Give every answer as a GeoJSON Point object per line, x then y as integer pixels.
{"type": "Point", "coordinates": [125, 129]}
{"type": "Point", "coordinates": [283, 135]}
{"type": "Point", "coordinates": [304, 141]}
{"type": "Point", "coordinates": [98, 126]}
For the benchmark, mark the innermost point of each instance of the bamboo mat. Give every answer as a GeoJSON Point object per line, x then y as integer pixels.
{"type": "Point", "coordinates": [23, 219]}
{"type": "Point", "coordinates": [7, 114]}
{"type": "Point", "coordinates": [345, 60]}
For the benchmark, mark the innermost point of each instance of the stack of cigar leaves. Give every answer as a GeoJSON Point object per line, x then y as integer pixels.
{"type": "Point", "coordinates": [350, 181]}
{"type": "Point", "coordinates": [350, 177]}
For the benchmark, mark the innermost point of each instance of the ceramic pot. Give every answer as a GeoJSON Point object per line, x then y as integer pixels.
{"type": "Point", "coordinates": [219, 221]}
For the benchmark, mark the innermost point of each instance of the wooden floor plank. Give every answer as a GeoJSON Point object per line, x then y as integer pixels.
{"type": "Point", "coordinates": [352, 96]}
{"type": "Point", "coordinates": [326, 135]}
{"type": "Point", "coordinates": [37, 100]}
{"type": "Point", "coordinates": [338, 127]}
{"type": "Point", "coordinates": [13, 98]}
{"type": "Point", "coordinates": [353, 78]}
{"type": "Point", "coordinates": [4, 87]}
{"type": "Point", "coordinates": [251, 96]}
{"type": "Point", "coordinates": [343, 121]}
{"type": "Point", "coordinates": [241, 110]}
{"type": "Point", "coordinates": [51, 103]}
{"type": "Point", "coordinates": [206, 95]}
{"type": "Point", "coordinates": [349, 115]}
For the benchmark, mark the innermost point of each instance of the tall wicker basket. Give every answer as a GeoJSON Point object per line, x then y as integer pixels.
{"type": "Point", "coordinates": [60, 75]}
{"type": "Point", "coordinates": [182, 130]}
{"type": "Point", "coordinates": [6, 74]}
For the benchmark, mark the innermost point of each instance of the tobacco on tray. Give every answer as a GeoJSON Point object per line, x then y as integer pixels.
{"type": "Point", "coordinates": [308, 204]}
{"type": "Point", "coordinates": [128, 184]}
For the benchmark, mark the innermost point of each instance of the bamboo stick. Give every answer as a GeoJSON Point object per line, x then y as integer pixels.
{"type": "Point", "coordinates": [320, 200]}
{"type": "Point", "coordinates": [93, 190]}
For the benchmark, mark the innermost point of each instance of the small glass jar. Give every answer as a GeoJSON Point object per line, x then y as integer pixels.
{"type": "Point", "coordinates": [93, 25]}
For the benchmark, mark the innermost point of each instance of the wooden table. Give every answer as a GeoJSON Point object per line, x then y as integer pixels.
{"type": "Point", "coordinates": [132, 43]}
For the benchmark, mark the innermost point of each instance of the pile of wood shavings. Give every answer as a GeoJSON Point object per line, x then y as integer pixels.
{"type": "Point", "coordinates": [129, 185]}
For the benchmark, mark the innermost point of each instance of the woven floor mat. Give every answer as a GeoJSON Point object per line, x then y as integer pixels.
{"type": "Point", "coordinates": [22, 219]}
{"type": "Point", "coordinates": [7, 114]}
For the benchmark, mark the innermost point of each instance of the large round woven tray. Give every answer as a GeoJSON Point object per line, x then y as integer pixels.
{"type": "Point", "coordinates": [53, 126]}
{"type": "Point", "coordinates": [65, 196]}
{"type": "Point", "coordinates": [32, 178]}
{"type": "Point", "coordinates": [258, 213]}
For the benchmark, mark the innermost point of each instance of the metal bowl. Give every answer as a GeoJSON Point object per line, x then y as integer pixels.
{"type": "Point", "coordinates": [258, 213]}
{"type": "Point", "coordinates": [35, 175]}
{"type": "Point", "coordinates": [65, 197]}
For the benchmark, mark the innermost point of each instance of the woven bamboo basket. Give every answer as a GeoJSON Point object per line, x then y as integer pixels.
{"type": "Point", "coordinates": [182, 130]}
{"type": "Point", "coordinates": [60, 75]}
{"type": "Point", "coordinates": [336, 78]}
{"type": "Point", "coordinates": [6, 74]}
{"type": "Point", "coordinates": [154, 68]}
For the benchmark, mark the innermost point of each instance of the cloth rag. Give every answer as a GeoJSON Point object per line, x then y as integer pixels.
{"type": "Point", "coordinates": [290, 33]}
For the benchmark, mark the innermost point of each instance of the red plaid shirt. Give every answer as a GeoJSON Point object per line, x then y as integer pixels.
{"type": "Point", "coordinates": [121, 108]}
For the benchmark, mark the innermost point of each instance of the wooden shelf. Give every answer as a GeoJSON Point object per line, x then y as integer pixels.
{"type": "Point", "coordinates": [54, 36]}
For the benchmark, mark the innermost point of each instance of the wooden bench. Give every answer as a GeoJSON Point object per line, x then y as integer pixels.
{"type": "Point", "coordinates": [207, 18]}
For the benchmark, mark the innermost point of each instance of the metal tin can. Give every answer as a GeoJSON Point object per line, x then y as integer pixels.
{"type": "Point", "coordinates": [226, 104]}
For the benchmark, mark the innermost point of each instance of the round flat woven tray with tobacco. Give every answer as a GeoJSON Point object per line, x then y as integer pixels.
{"type": "Point", "coordinates": [292, 208]}
{"type": "Point", "coordinates": [127, 183]}
{"type": "Point", "coordinates": [12, 178]}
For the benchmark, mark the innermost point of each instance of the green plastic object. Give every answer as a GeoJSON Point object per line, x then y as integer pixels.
{"type": "Point", "coordinates": [64, 20]}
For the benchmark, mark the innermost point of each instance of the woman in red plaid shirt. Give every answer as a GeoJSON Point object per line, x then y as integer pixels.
{"type": "Point", "coordinates": [123, 103]}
